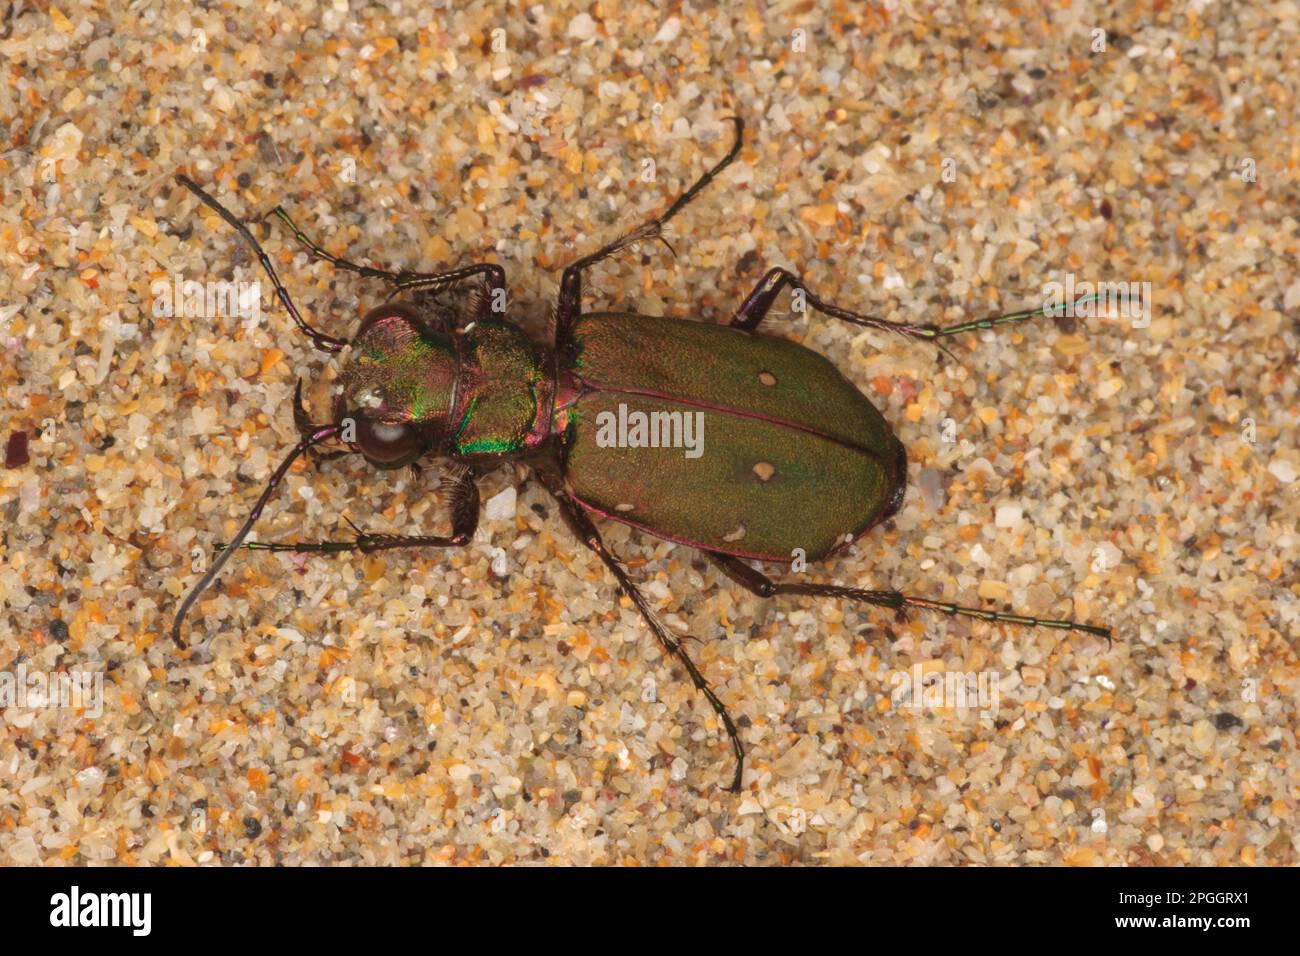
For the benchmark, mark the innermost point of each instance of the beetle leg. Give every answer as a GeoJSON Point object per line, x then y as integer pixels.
{"type": "Point", "coordinates": [320, 457]}
{"type": "Point", "coordinates": [570, 302]}
{"type": "Point", "coordinates": [464, 500]}
{"type": "Point", "coordinates": [326, 343]}
{"type": "Point", "coordinates": [755, 581]}
{"type": "Point", "coordinates": [586, 532]}
{"type": "Point", "coordinates": [759, 302]}
{"type": "Point", "coordinates": [434, 281]}
{"type": "Point", "coordinates": [403, 279]}
{"type": "Point", "coordinates": [320, 434]}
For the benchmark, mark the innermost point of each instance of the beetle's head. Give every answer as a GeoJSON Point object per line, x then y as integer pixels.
{"type": "Point", "coordinates": [399, 387]}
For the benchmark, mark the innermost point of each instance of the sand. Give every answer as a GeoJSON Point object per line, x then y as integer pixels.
{"type": "Point", "coordinates": [1133, 471]}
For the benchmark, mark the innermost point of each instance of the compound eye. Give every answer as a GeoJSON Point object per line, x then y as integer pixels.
{"type": "Point", "coordinates": [387, 443]}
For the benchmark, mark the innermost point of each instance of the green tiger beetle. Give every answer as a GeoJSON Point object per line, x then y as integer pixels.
{"type": "Point", "coordinates": [802, 461]}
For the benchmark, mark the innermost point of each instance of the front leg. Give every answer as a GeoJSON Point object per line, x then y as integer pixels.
{"type": "Point", "coordinates": [464, 502]}
{"type": "Point", "coordinates": [403, 279]}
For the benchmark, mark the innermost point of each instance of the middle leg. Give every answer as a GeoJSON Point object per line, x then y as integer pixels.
{"type": "Point", "coordinates": [570, 304]}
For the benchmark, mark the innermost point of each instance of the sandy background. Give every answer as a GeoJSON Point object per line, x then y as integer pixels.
{"type": "Point", "coordinates": [923, 162]}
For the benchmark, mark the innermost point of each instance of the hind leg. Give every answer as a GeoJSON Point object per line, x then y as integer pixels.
{"type": "Point", "coordinates": [759, 302]}
{"type": "Point", "coordinates": [760, 584]}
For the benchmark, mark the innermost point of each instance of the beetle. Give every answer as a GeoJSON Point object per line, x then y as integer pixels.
{"type": "Point", "coordinates": [805, 463]}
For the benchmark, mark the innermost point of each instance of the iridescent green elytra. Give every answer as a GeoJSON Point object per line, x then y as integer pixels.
{"type": "Point", "coordinates": [738, 443]}
{"type": "Point", "coordinates": [794, 457]}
